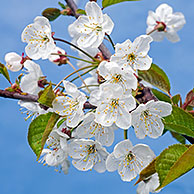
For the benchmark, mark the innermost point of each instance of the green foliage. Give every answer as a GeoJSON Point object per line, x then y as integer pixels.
{"type": "Point", "coordinates": [51, 13]}
{"type": "Point", "coordinates": [62, 5]}
{"type": "Point", "coordinates": [39, 131]}
{"type": "Point", "coordinates": [47, 96]}
{"type": "Point", "coordinates": [157, 77]}
{"type": "Point", "coordinates": [178, 137]}
{"type": "Point", "coordinates": [161, 96]}
{"type": "Point", "coordinates": [106, 3]}
{"type": "Point", "coordinates": [176, 99]}
{"type": "Point", "coordinates": [180, 122]}
{"type": "Point", "coordinates": [147, 172]}
{"type": "Point", "coordinates": [4, 72]}
{"type": "Point", "coordinates": [81, 11]}
{"type": "Point", "coordinates": [172, 163]}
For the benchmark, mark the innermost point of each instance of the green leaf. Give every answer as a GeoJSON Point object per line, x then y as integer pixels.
{"type": "Point", "coordinates": [161, 96]}
{"type": "Point", "coordinates": [180, 121]}
{"type": "Point", "coordinates": [39, 130]}
{"type": "Point", "coordinates": [176, 99]}
{"type": "Point", "coordinates": [62, 5]}
{"type": "Point", "coordinates": [178, 137]}
{"type": "Point", "coordinates": [157, 77]}
{"type": "Point", "coordinates": [51, 13]}
{"type": "Point", "coordinates": [4, 72]}
{"type": "Point", "coordinates": [81, 11]}
{"type": "Point", "coordinates": [147, 172]}
{"type": "Point", "coordinates": [106, 3]}
{"type": "Point", "coordinates": [174, 162]}
{"type": "Point", "coordinates": [47, 96]}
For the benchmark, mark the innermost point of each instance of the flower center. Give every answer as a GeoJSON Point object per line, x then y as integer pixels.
{"type": "Point", "coordinates": [161, 26]}
{"type": "Point", "coordinates": [117, 78]}
{"type": "Point", "coordinates": [131, 57]}
{"type": "Point", "coordinates": [129, 157]}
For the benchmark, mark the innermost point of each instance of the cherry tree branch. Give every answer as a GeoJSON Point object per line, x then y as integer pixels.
{"type": "Point", "coordinates": [105, 52]}
{"type": "Point", "coordinates": [18, 96]}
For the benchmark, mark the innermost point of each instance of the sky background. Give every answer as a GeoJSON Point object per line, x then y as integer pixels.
{"type": "Point", "coordinates": [19, 171]}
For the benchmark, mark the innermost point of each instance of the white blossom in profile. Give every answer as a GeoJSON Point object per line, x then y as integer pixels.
{"type": "Point", "coordinates": [90, 128]}
{"type": "Point", "coordinates": [38, 36]}
{"type": "Point", "coordinates": [87, 155]}
{"type": "Point", "coordinates": [112, 107]}
{"type": "Point", "coordinates": [129, 160]}
{"type": "Point", "coordinates": [115, 76]}
{"type": "Point", "coordinates": [57, 59]}
{"type": "Point", "coordinates": [166, 22]}
{"type": "Point", "coordinates": [29, 82]}
{"type": "Point", "coordinates": [89, 30]}
{"type": "Point", "coordinates": [13, 61]}
{"type": "Point", "coordinates": [133, 56]}
{"type": "Point", "coordinates": [70, 105]}
{"type": "Point", "coordinates": [147, 118]}
{"type": "Point", "coordinates": [57, 152]}
{"type": "Point", "coordinates": [149, 185]}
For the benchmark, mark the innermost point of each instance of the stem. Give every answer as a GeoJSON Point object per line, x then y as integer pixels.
{"type": "Point", "coordinates": [125, 133]}
{"type": "Point", "coordinates": [83, 74]}
{"type": "Point", "coordinates": [61, 40]}
{"type": "Point", "coordinates": [92, 62]}
{"type": "Point", "coordinates": [111, 41]}
{"type": "Point", "coordinates": [152, 31]}
{"type": "Point", "coordinates": [72, 74]}
{"type": "Point", "coordinates": [79, 76]}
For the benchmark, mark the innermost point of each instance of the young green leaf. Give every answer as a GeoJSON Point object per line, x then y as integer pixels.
{"type": "Point", "coordinates": [161, 96]}
{"type": "Point", "coordinates": [106, 3]}
{"type": "Point", "coordinates": [180, 122]}
{"type": "Point", "coordinates": [157, 77]}
{"type": "Point", "coordinates": [51, 13]}
{"type": "Point", "coordinates": [174, 162]}
{"type": "Point", "coordinates": [81, 11]}
{"type": "Point", "coordinates": [39, 130]}
{"type": "Point", "coordinates": [47, 96]}
{"type": "Point", "coordinates": [176, 99]}
{"type": "Point", "coordinates": [4, 72]}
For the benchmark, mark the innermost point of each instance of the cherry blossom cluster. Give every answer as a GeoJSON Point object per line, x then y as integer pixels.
{"type": "Point", "coordinates": [80, 134]}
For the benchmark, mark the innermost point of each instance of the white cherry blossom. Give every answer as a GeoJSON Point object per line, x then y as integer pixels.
{"type": "Point", "coordinates": [133, 55]}
{"type": "Point", "coordinates": [113, 107]}
{"type": "Point", "coordinates": [38, 36]}
{"type": "Point", "coordinates": [146, 119]}
{"type": "Point", "coordinates": [129, 160]}
{"type": "Point", "coordinates": [13, 61]}
{"type": "Point", "coordinates": [29, 82]}
{"type": "Point", "coordinates": [115, 75]}
{"type": "Point", "coordinates": [70, 105]}
{"type": "Point", "coordinates": [87, 155]}
{"type": "Point", "coordinates": [149, 185]}
{"type": "Point", "coordinates": [57, 59]}
{"type": "Point", "coordinates": [57, 153]}
{"type": "Point", "coordinates": [89, 30]}
{"type": "Point", "coordinates": [166, 22]}
{"type": "Point", "coordinates": [90, 128]}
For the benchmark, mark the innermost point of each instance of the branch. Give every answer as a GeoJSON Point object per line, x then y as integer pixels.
{"type": "Point", "coordinates": [106, 53]}
{"type": "Point", "coordinates": [18, 96]}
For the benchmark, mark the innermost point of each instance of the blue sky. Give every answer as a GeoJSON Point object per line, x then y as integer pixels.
{"type": "Point", "coordinates": [19, 171]}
